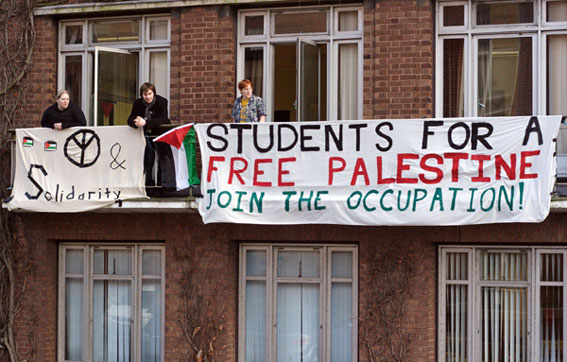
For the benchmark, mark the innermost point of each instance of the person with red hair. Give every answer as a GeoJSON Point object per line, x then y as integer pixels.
{"type": "Point", "coordinates": [248, 107]}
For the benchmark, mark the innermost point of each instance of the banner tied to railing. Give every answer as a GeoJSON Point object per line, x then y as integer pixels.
{"type": "Point", "coordinates": [454, 171]}
{"type": "Point", "coordinates": [77, 169]}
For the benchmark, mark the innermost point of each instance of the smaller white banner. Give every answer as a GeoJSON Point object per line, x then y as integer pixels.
{"type": "Point", "coordinates": [77, 169]}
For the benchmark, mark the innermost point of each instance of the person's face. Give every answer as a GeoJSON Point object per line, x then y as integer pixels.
{"type": "Point", "coordinates": [63, 102]}
{"type": "Point", "coordinates": [148, 96]}
{"type": "Point", "coordinates": [246, 92]}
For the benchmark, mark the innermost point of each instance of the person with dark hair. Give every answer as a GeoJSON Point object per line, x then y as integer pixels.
{"type": "Point", "coordinates": [248, 107]}
{"type": "Point", "coordinates": [63, 113]}
{"type": "Point", "coordinates": [150, 111]}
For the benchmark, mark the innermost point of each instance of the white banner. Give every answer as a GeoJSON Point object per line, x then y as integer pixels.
{"type": "Point", "coordinates": [454, 171]}
{"type": "Point", "coordinates": [77, 169]}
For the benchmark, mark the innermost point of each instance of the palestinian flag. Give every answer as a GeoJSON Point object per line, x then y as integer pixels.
{"type": "Point", "coordinates": [182, 142]}
{"type": "Point", "coordinates": [50, 146]}
{"type": "Point", "coordinates": [28, 142]}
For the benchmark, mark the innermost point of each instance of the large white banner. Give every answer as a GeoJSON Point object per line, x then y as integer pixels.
{"type": "Point", "coordinates": [77, 169]}
{"type": "Point", "coordinates": [383, 172]}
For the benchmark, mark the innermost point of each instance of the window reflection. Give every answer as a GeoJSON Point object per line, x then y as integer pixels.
{"type": "Point", "coordinates": [504, 13]}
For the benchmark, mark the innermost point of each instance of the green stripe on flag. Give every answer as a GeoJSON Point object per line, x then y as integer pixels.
{"type": "Point", "coordinates": [191, 154]}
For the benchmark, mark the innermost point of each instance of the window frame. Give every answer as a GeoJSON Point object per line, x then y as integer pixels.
{"type": "Point", "coordinates": [88, 276]}
{"type": "Point", "coordinates": [272, 281]}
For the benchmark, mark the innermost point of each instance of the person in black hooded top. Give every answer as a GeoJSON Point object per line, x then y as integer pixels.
{"type": "Point", "coordinates": [63, 114]}
{"type": "Point", "coordinates": [150, 111]}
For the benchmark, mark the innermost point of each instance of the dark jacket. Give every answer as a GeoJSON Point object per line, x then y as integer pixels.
{"type": "Point", "coordinates": [72, 116]}
{"type": "Point", "coordinates": [158, 113]}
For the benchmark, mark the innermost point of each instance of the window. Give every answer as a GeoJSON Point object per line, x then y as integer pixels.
{"type": "Point", "coordinates": [298, 303]}
{"type": "Point", "coordinates": [305, 63]}
{"type": "Point", "coordinates": [104, 61]}
{"type": "Point", "coordinates": [502, 304]}
{"type": "Point", "coordinates": [111, 302]}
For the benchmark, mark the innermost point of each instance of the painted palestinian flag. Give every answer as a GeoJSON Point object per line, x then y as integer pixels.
{"type": "Point", "coordinates": [182, 142]}
{"type": "Point", "coordinates": [50, 146]}
{"type": "Point", "coordinates": [28, 142]}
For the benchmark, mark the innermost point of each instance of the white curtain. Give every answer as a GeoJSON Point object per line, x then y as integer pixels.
{"type": "Point", "coordinates": [456, 308]}
{"type": "Point", "coordinates": [348, 81]}
{"type": "Point", "coordinates": [74, 305]}
{"type": "Point", "coordinates": [256, 321]}
{"type": "Point", "coordinates": [151, 320]}
{"type": "Point", "coordinates": [551, 309]}
{"type": "Point", "coordinates": [557, 81]}
{"type": "Point", "coordinates": [158, 72]}
{"type": "Point", "coordinates": [341, 322]}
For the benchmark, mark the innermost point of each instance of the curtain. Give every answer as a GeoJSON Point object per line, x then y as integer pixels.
{"type": "Point", "coordinates": [254, 68]}
{"type": "Point", "coordinates": [158, 72]}
{"type": "Point", "coordinates": [551, 309]}
{"type": "Point", "coordinates": [151, 321]}
{"type": "Point", "coordinates": [456, 308]}
{"type": "Point", "coordinates": [557, 82]}
{"type": "Point", "coordinates": [256, 333]}
{"type": "Point", "coordinates": [74, 305]}
{"type": "Point", "coordinates": [341, 307]}
{"type": "Point", "coordinates": [348, 82]}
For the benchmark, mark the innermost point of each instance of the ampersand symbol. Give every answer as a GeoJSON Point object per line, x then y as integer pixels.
{"type": "Point", "coordinates": [115, 163]}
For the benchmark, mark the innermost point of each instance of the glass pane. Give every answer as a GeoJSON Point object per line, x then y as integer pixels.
{"type": "Point", "coordinates": [504, 13]}
{"type": "Point", "coordinates": [505, 77]}
{"type": "Point", "coordinates": [74, 261]}
{"type": "Point", "coordinates": [551, 268]}
{"type": "Point", "coordinates": [551, 326]}
{"type": "Point", "coordinates": [151, 262]}
{"type": "Point", "coordinates": [504, 266]}
{"type": "Point", "coordinates": [298, 323]}
{"type": "Point", "coordinates": [255, 263]}
{"type": "Point", "coordinates": [309, 82]}
{"type": "Point", "coordinates": [256, 321]}
{"type": "Point", "coordinates": [158, 29]}
{"type": "Point", "coordinates": [341, 264]}
{"type": "Point", "coordinates": [454, 15]}
{"type": "Point", "coordinates": [453, 78]}
{"type": "Point", "coordinates": [341, 322]}
{"type": "Point", "coordinates": [151, 320]}
{"type": "Point", "coordinates": [116, 31]}
{"type": "Point", "coordinates": [73, 319]}
{"type": "Point", "coordinates": [113, 262]}
{"type": "Point", "coordinates": [557, 11]}
{"type": "Point", "coordinates": [254, 25]}
{"type": "Point", "coordinates": [456, 323]}
{"type": "Point", "coordinates": [73, 34]}
{"type": "Point", "coordinates": [457, 266]}
{"type": "Point", "coordinates": [117, 87]}
{"type": "Point", "coordinates": [504, 329]}
{"type": "Point", "coordinates": [298, 264]}
{"type": "Point", "coordinates": [557, 83]}
{"type": "Point", "coordinates": [254, 69]}
{"type": "Point", "coordinates": [74, 77]}
{"type": "Point", "coordinates": [112, 317]}
{"type": "Point", "coordinates": [348, 21]}
{"type": "Point", "coordinates": [348, 82]}
{"type": "Point", "coordinates": [300, 23]}
{"type": "Point", "coordinates": [158, 72]}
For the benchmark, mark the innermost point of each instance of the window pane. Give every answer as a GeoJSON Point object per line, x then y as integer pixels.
{"type": "Point", "coordinates": [112, 316]}
{"type": "Point", "coordinates": [116, 31]}
{"type": "Point", "coordinates": [557, 83]}
{"type": "Point", "coordinates": [254, 68]}
{"type": "Point", "coordinates": [348, 82]}
{"type": "Point", "coordinates": [113, 262]}
{"type": "Point", "coordinates": [348, 21]}
{"type": "Point", "coordinates": [74, 318]}
{"type": "Point", "coordinates": [298, 323]}
{"type": "Point", "coordinates": [298, 264]}
{"type": "Point", "coordinates": [505, 77]}
{"type": "Point", "coordinates": [504, 266]}
{"type": "Point", "coordinates": [255, 321]}
{"type": "Point", "coordinates": [557, 11]}
{"type": "Point", "coordinates": [551, 326]}
{"type": "Point", "coordinates": [504, 324]}
{"type": "Point", "coordinates": [341, 264]}
{"type": "Point", "coordinates": [255, 263]}
{"type": "Point", "coordinates": [457, 266]}
{"type": "Point", "coordinates": [158, 72]}
{"type": "Point", "coordinates": [551, 268]}
{"type": "Point", "coordinates": [151, 320]}
{"type": "Point", "coordinates": [158, 29]}
{"type": "Point", "coordinates": [453, 77]}
{"type": "Point", "coordinates": [341, 322]}
{"type": "Point", "coordinates": [151, 262]}
{"type": "Point", "coordinates": [454, 15]}
{"type": "Point", "coordinates": [254, 25]}
{"type": "Point", "coordinates": [504, 13]}
{"type": "Point", "coordinates": [302, 22]}
{"type": "Point", "coordinates": [74, 261]}
{"type": "Point", "coordinates": [73, 34]}
{"type": "Point", "coordinates": [456, 323]}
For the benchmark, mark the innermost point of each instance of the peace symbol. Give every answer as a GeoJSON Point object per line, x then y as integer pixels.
{"type": "Point", "coordinates": [82, 148]}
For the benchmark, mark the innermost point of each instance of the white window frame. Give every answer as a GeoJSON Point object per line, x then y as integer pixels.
{"type": "Point", "coordinates": [332, 37]}
{"type": "Point", "coordinates": [474, 284]}
{"type": "Point", "coordinates": [325, 282]}
{"type": "Point", "coordinates": [88, 280]}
